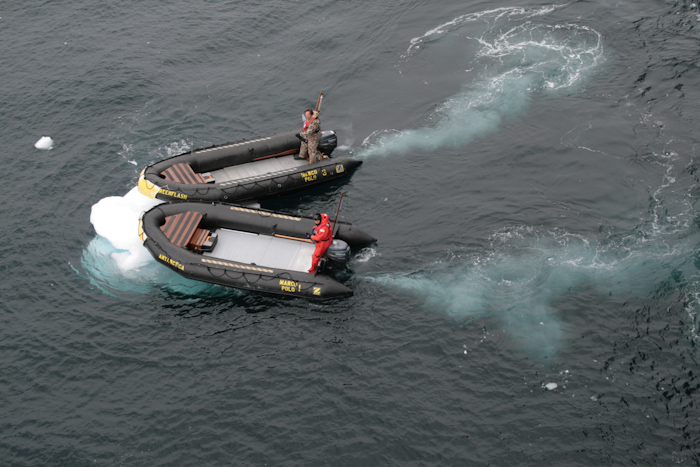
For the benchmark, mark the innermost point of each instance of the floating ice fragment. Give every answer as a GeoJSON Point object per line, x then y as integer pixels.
{"type": "Point", "coordinates": [550, 386]}
{"type": "Point", "coordinates": [45, 142]}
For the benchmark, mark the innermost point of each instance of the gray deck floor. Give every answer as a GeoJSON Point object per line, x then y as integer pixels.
{"type": "Point", "coordinates": [257, 169]}
{"type": "Point", "coordinates": [262, 250]}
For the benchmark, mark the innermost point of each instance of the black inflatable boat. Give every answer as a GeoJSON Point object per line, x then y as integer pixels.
{"type": "Point", "coordinates": [247, 170]}
{"type": "Point", "coordinates": [251, 249]}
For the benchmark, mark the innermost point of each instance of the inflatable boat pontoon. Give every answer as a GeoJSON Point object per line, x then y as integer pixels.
{"type": "Point", "coordinates": [248, 170]}
{"type": "Point", "coordinates": [251, 249]}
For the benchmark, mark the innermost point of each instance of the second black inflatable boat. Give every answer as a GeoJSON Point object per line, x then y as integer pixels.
{"type": "Point", "coordinates": [250, 249]}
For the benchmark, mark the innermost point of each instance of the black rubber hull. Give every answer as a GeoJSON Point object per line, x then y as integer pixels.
{"type": "Point", "coordinates": [152, 183]}
{"type": "Point", "coordinates": [252, 277]}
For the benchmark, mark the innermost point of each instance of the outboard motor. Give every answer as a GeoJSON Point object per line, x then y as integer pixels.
{"type": "Point", "coordinates": [328, 142]}
{"type": "Point", "coordinates": [337, 255]}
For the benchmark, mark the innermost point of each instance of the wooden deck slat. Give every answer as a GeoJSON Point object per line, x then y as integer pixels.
{"type": "Point", "coordinates": [182, 173]}
{"type": "Point", "coordinates": [180, 227]}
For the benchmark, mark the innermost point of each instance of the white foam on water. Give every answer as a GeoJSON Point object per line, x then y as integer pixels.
{"type": "Point", "coordinates": [44, 143]}
{"type": "Point", "coordinates": [458, 295]}
{"type": "Point", "coordinates": [527, 271]}
{"type": "Point", "coordinates": [489, 16]}
{"type": "Point", "coordinates": [518, 57]}
{"type": "Point", "coordinates": [364, 255]}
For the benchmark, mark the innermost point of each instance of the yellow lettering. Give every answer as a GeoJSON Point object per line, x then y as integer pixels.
{"type": "Point", "coordinates": [289, 286]}
{"type": "Point", "coordinates": [310, 175]}
{"type": "Point", "coordinates": [173, 194]}
{"type": "Point", "coordinates": [172, 262]}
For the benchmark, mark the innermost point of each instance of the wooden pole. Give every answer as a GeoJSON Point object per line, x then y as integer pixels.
{"type": "Point", "coordinates": [340, 203]}
{"type": "Point", "coordinates": [319, 101]}
{"type": "Point", "coordinates": [294, 238]}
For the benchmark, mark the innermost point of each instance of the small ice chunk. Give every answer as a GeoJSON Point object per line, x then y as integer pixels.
{"type": "Point", "coordinates": [550, 386]}
{"type": "Point", "coordinates": [45, 142]}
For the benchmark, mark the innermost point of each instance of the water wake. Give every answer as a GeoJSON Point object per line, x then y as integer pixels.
{"type": "Point", "coordinates": [527, 274]}
{"type": "Point", "coordinates": [517, 56]}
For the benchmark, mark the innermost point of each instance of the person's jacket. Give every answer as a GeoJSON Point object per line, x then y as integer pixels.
{"type": "Point", "coordinates": [323, 234]}
{"type": "Point", "coordinates": [312, 128]}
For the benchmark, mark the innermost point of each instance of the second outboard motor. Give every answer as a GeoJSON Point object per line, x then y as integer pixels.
{"type": "Point", "coordinates": [337, 255]}
{"type": "Point", "coordinates": [328, 142]}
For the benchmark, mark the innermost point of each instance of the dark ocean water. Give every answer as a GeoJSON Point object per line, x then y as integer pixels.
{"type": "Point", "coordinates": [531, 172]}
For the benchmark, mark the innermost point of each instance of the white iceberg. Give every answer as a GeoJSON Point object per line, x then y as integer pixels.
{"type": "Point", "coordinates": [116, 219]}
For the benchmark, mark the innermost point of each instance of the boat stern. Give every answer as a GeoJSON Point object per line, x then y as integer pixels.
{"type": "Point", "coordinates": [330, 289]}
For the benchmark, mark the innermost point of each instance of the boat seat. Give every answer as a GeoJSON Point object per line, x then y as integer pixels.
{"type": "Point", "coordinates": [182, 173]}
{"type": "Point", "coordinates": [181, 228]}
{"type": "Point", "coordinates": [202, 240]}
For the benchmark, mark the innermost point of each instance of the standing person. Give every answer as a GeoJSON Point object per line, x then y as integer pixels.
{"type": "Point", "coordinates": [310, 136]}
{"type": "Point", "coordinates": [322, 237]}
